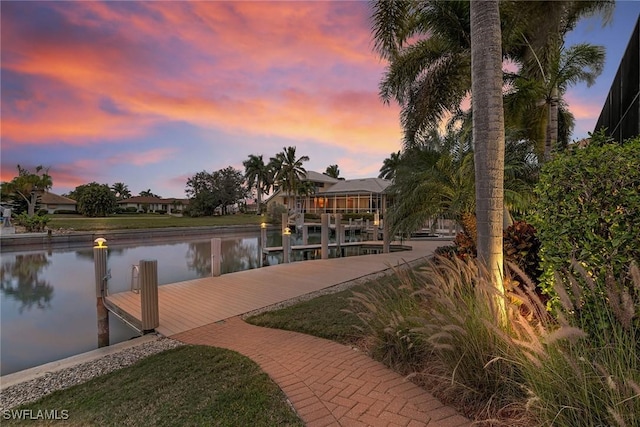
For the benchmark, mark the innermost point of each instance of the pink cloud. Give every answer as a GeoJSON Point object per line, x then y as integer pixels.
{"type": "Point", "coordinates": [255, 69]}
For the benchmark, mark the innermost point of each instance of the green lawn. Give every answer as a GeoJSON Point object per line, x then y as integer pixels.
{"type": "Point", "coordinates": [125, 222]}
{"type": "Point", "coordinates": [327, 316]}
{"type": "Point", "coordinates": [186, 386]}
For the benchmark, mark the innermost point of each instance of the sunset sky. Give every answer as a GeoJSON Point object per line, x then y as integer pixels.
{"type": "Point", "coordinates": [150, 93]}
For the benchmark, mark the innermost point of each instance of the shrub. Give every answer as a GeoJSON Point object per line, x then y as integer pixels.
{"type": "Point", "coordinates": [65, 212]}
{"type": "Point", "coordinates": [353, 215]}
{"type": "Point", "coordinates": [274, 213]}
{"type": "Point", "coordinates": [522, 247]}
{"type": "Point", "coordinates": [589, 209]}
{"type": "Point", "coordinates": [161, 212]}
{"type": "Point", "coordinates": [33, 224]}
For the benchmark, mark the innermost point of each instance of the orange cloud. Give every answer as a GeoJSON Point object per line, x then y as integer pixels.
{"type": "Point", "coordinates": [256, 67]}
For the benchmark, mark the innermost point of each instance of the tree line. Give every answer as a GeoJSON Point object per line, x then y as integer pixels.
{"type": "Point", "coordinates": [209, 193]}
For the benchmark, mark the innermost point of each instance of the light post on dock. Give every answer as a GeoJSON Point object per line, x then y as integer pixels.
{"type": "Point", "coordinates": [101, 277]}
{"type": "Point", "coordinates": [286, 245]}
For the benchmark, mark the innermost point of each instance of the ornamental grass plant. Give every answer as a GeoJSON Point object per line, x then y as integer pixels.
{"type": "Point", "coordinates": [541, 368]}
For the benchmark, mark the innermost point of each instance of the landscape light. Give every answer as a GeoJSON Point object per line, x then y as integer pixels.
{"type": "Point", "coordinates": [100, 242]}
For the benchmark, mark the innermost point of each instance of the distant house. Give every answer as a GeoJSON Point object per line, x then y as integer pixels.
{"type": "Point", "coordinates": [154, 204]}
{"type": "Point", "coordinates": [53, 202]}
{"type": "Point", "coordinates": [337, 196]}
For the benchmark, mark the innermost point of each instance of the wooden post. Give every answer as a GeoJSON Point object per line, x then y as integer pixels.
{"type": "Point", "coordinates": [339, 238]}
{"type": "Point", "coordinates": [101, 277]}
{"type": "Point", "coordinates": [305, 234]}
{"type": "Point", "coordinates": [263, 235]}
{"type": "Point", "coordinates": [385, 237]}
{"type": "Point", "coordinates": [149, 295]}
{"type": "Point", "coordinates": [216, 256]}
{"type": "Point", "coordinates": [324, 236]}
{"type": "Point", "coordinates": [376, 224]}
{"type": "Point", "coordinates": [286, 246]}
{"type": "Point", "coordinates": [285, 221]}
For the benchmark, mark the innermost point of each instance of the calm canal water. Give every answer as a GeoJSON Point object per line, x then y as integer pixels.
{"type": "Point", "coordinates": [47, 304]}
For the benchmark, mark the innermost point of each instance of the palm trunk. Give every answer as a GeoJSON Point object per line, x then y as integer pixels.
{"type": "Point", "coordinates": [552, 125]}
{"type": "Point", "coordinates": [259, 198]}
{"type": "Point", "coordinates": [488, 137]}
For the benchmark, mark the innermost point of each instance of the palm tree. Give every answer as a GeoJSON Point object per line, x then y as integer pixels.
{"type": "Point", "coordinates": [121, 190]}
{"type": "Point", "coordinates": [390, 166]}
{"type": "Point", "coordinates": [148, 193]}
{"type": "Point", "coordinates": [258, 176]}
{"type": "Point", "coordinates": [333, 171]}
{"type": "Point", "coordinates": [550, 67]}
{"type": "Point", "coordinates": [488, 135]}
{"type": "Point", "coordinates": [289, 171]}
{"type": "Point", "coordinates": [428, 48]}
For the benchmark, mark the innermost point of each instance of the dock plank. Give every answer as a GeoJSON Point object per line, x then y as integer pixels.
{"type": "Point", "coordinates": [190, 304]}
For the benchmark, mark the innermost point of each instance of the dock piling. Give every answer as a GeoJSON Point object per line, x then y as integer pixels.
{"type": "Point", "coordinates": [324, 236]}
{"type": "Point", "coordinates": [149, 295]}
{"type": "Point", "coordinates": [216, 256]}
{"type": "Point", "coordinates": [101, 277]}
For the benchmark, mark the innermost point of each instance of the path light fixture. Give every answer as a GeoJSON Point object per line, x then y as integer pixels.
{"type": "Point", "coordinates": [263, 225]}
{"type": "Point", "coordinates": [286, 245]}
{"type": "Point", "coordinates": [100, 242]}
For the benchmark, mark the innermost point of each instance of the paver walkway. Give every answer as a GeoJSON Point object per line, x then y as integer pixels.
{"type": "Point", "coordinates": [329, 384]}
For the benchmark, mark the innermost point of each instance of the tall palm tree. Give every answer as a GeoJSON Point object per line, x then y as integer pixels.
{"type": "Point", "coordinates": [390, 166]}
{"type": "Point", "coordinates": [428, 46]}
{"type": "Point", "coordinates": [121, 190]}
{"type": "Point", "coordinates": [488, 134]}
{"type": "Point", "coordinates": [258, 176]}
{"type": "Point", "coordinates": [289, 171]}
{"type": "Point", "coordinates": [550, 65]}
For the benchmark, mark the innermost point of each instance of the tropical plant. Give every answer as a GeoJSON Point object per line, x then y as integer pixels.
{"type": "Point", "coordinates": [33, 224]}
{"type": "Point", "coordinates": [539, 93]}
{"type": "Point", "coordinates": [121, 190]}
{"type": "Point", "coordinates": [148, 193]}
{"type": "Point", "coordinates": [289, 172]}
{"type": "Point", "coordinates": [29, 186]}
{"type": "Point", "coordinates": [390, 166]}
{"type": "Point", "coordinates": [333, 171]}
{"type": "Point", "coordinates": [258, 176]}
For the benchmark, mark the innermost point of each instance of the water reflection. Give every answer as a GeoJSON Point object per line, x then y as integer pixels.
{"type": "Point", "coordinates": [237, 255]}
{"type": "Point", "coordinates": [20, 279]}
{"type": "Point", "coordinates": [40, 325]}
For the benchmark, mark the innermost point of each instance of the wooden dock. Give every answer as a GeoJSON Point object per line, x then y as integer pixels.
{"type": "Point", "coordinates": [194, 303]}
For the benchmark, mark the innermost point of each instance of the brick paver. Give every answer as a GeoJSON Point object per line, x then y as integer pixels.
{"type": "Point", "coordinates": [329, 384]}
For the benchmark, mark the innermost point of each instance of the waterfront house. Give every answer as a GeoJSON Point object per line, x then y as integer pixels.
{"type": "Point", "coordinates": [331, 195]}
{"type": "Point", "coordinates": [154, 204]}
{"type": "Point", "coordinates": [52, 202]}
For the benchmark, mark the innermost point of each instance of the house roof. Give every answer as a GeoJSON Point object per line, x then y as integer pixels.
{"type": "Point", "coordinates": [151, 200]}
{"type": "Point", "coordinates": [319, 177]}
{"type": "Point", "coordinates": [364, 185]}
{"type": "Point", "coordinates": [54, 199]}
